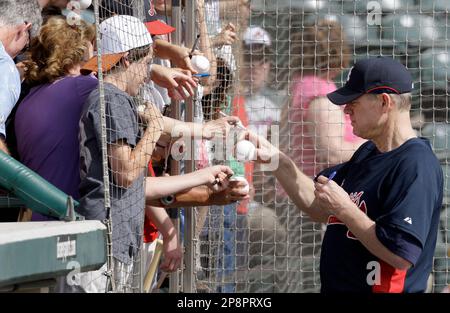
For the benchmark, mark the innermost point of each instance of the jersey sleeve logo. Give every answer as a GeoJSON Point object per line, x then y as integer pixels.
{"type": "Point", "coordinates": [356, 199]}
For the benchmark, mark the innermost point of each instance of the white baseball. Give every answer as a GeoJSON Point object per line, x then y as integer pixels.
{"type": "Point", "coordinates": [84, 4]}
{"type": "Point", "coordinates": [245, 151]}
{"type": "Point", "coordinates": [73, 18]}
{"type": "Point", "coordinates": [200, 64]}
{"type": "Point", "coordinates": [240, 178]}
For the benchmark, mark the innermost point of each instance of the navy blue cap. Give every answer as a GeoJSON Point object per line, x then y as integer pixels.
{"type": "Point", "coordinates": [374, 75]}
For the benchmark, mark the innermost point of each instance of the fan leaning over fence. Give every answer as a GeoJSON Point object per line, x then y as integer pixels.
{"type": "Point", "coordinates": [131, 138]}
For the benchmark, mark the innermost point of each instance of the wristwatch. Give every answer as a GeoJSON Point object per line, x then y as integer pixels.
{"type": "Point", "coordinates": [167, 200]}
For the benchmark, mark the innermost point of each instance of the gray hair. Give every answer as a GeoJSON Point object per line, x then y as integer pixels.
{"type": "Point", "coordinates": [403, 100]}
{"type": "Point", "coordinates": [9, 14]}
{"type": "Point", "coordinates": [16, 12]}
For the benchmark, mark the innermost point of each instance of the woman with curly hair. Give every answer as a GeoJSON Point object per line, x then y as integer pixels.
{"type": "Point", "coordinates": [46, 122]}
{"type": "Point", "coordinates": [319, 133]}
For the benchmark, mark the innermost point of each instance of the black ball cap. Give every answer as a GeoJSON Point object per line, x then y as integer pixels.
{"type": "Point", "coordinates": [373, 75]}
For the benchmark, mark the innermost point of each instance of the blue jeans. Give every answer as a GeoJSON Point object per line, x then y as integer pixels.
{"type": "Point", "coordinates": [228, 236]}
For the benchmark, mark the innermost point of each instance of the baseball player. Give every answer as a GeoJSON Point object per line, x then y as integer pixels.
{"type": "Point", "coordinates": [382, 206]}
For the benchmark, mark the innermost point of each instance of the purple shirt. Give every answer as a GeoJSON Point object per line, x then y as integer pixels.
{"type": "Point", "coordinates": [47, 127]}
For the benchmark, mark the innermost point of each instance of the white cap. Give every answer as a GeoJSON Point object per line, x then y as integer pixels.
{"type": "Point", "coordinates": [122, 33]}
{"type": "Point", "coordinates": [256, 35]}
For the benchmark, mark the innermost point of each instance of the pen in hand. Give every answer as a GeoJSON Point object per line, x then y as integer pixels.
{"type": "Point", "coordinates": [331, 176]}
{"type": "Point", "coordinates": [217, 181]}
{"type": "Point", "coordinates": [194, 46]}
{"type": "Point", "coordinates": [201, 75]}
{"type": "Point", "coordinates": [238, 125]}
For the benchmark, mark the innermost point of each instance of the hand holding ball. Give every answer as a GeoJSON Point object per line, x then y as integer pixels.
{"type": "Point", "coordinates": [200, 64]}
{"type": "Point", "coordinates": [245, 151]}
{"type": "Point", "coordinates": [75, 8]}
{"type": "Point", "coordinates": [73, 18]}
{"type": "Point", "coordinates": [245, 189]}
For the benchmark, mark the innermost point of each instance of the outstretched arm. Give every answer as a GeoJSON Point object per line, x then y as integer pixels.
{"type": "Point", "coordinates": [298, 186]}
{"type": "Point", "coordinates": [213, 129]}
{"type": "Point", "coordinates": [204, 196]}
{"type": "Point", "coordinates": [158, 187]}
{"type": "Point", "coordinates": [206, 46]}
{"type": "Point", "coordinates": [177, 54]}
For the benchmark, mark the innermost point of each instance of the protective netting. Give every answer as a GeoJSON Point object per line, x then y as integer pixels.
{"type": "Point", "coordinates": [267, 245]}
{"type": "Point", "coordinates": [119, 130]}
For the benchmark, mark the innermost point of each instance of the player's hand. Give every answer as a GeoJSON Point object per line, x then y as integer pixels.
{"type": "Point", "coordinates": [331, 197]}
{"type": "Point", "coordinates": [172, 252]}
{"type": "Point", "coordinates": [219, 128]}
{"type": "Point", "coordinates": [178, 82]}
{"type": "Point", "coordinates": [226, 37]}
{"type": "Point", "coordinates": [265, 151]}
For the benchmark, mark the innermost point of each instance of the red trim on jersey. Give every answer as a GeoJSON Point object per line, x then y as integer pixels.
{"type": "Point", "coordinates": [392, 279]}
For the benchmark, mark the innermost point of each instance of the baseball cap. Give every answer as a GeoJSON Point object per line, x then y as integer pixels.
{"type": "Point", "coordinates": [158, 27]}
{"type": "Point", "coordinates": [373, 75]}
{"type": "Point", "coordinates": [119, 34]}
{"type": "Point", "coordinates": [256, 35]}
{"type": "Point", "coordinates": [122, 33]}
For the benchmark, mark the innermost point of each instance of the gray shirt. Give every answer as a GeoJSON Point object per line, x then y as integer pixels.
{"type": "Point", "coordinates": [127, 204]}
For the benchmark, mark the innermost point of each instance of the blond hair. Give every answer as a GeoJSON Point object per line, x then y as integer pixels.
{"type": "Point", "coordinates": [58, 48]}
{"type": "Point", "coordinates": [319, 47]}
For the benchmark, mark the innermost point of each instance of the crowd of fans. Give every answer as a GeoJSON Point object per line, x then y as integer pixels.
{"type": "Point", "coordinates": [50, 120]}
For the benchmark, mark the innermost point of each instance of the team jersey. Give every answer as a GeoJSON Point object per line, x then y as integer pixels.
{"type": "Point", "coordinates": [401, 190]}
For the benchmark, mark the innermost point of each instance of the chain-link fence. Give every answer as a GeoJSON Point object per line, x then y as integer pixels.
{"type": "Point", "coordinates": [271, 60]}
